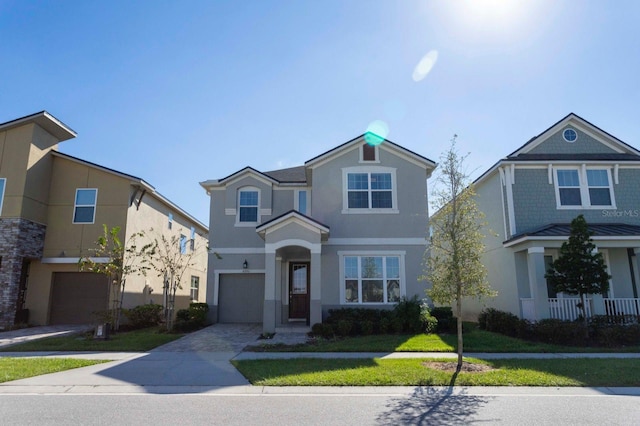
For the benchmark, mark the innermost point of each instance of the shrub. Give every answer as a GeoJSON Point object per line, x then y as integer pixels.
{"type": "Point", "coordinates": [384, 325]}
{"type": "Point", "coordinates": [396, 325]}
{"type": "Point", "coordinates": [366, 327]}
{"type": "Point", "coordinates": [446, 321]}
{"type": "Point", "coordinates": [560, 332]}
{"type": "Point", "coordinates": [144, 315]}
{"type": "Point", "coordinates": [344, 327]}
{"type": "Point", "coordinates": [407, 311]}
{"type": "Point", "coordinates": [429, 322]}
{"type": "Point", "coordinates": [499, 321]}
{"type": "Point", "coordinates": [193, 318]}
{"type": "Point", "coordinates": [327, 331]}
{"type": "Point", "coordinates": [316, 329]}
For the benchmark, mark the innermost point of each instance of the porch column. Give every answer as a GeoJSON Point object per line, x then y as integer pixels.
{"type": "Point", "coordinates": [597, 301]}
{"type": "Point", "coordinates": [269, 311]}
{"type": "Point", "coordinates": [278, 291]}
{"type": "Point", "coordinates": [315, 307]}
{"type": "Point", "coordinates": [636, 251]}
{"type": "Point", "coordinates": [537, 282]}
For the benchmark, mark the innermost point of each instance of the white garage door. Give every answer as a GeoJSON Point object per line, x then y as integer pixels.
{"type": "Point", "coordinates": [241, 298]}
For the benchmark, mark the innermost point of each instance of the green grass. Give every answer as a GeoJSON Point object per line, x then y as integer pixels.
{"type": "Point", "coordinates": [411, 372]}
{"type": "Point", "coordinates": [130, 341]}
{"type": "Point", "coordinates": [21, 368]}
{"type": "Point", "coordinates": [475, 340]}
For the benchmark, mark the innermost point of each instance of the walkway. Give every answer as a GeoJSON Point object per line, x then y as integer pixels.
{"type": "Point", "coordinates": [22, 335]}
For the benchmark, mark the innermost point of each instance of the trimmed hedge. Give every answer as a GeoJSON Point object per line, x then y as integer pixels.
{"type": "Point", "coordinates": [143, 316]}
{"type": "Point", "coordinates": [604, 331]}
{"type": "Point", "coordinates": [408, 316]}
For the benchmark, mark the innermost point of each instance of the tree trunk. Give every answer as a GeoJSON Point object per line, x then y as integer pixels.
{"type": "Point", "coordinates": [459, 317]}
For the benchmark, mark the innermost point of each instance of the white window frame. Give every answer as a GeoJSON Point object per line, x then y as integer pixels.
{"type": "Point", "coordinates": [296, 202]}
{"type": "Point", "coordinates": [192, 240]}
{"type": "Point", "coordinates": [374, 253]}
{"type": "Point", "coordinates": [369, 170]}
{"type": "Point", "coordinates": [3, 189]}
{"type": "Point", "coordinates": [183, 244]}
{"type": "Point", "coordinates": [585, 197]}
{"type": "Point", "coordinates": [94, 205]}
{"type": "Point", "coordinates": [197, 287]}
{"type": "Point", "coordinates": [248, 189]}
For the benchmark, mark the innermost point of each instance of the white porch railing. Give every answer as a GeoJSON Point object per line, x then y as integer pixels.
{"type": "Point", "coordinates": [621, 306]}
{"type": "Point", "coordinates": [564, 308]}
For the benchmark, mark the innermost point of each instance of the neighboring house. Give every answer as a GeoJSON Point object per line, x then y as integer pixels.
{"type": "Point", "coordinates": [346, 229]}
{"type": "Point", "coordinates": [531, 196]}
{"type": "Point", "coordinates": [52, 210]}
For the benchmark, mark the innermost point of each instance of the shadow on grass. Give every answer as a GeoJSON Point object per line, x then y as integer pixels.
{"type": "Point", "coordinates": [433, 406]}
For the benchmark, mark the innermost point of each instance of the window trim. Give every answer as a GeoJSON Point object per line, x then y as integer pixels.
{"type": "Point", "coordinates": [183, 244]}
{"type": "Point", "coordinates": [369, 170]}
{"type": "Point", "coordinates": [585, 197]}
{"type": "Point", "coordinates": [296, 202]}
{"type": "Point", "coordinates": [2, 192]}
{"type": "Point", "coordinates": [374, 253]}
{"type": "Point", "coordinates": [94, 205]}
{"type": "Point", "coordinates": [197, 287]}
{"type": "Point", "coordinates": [248, 189]}
{"type": "Point", "coordinates": [192, 240]}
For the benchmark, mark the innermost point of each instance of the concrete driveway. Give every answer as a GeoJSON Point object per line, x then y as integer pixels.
{"type": "Point", "coordinates": [198, 362]}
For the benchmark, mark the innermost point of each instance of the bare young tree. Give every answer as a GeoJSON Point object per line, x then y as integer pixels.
{"type": "Point", "coordinates": [171, 258]}
{"type": "Point", "coordinates": [453, 259]}
{"type": "Point", "coordinates": [117, 261]}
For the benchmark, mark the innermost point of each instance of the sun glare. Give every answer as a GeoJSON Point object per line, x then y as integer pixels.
{"type": "Point", "coordinates": [491, 16]}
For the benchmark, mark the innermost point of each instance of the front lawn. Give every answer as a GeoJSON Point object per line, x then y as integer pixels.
{"type": "Point", "coordinates": [475, 340]}
{"type": "Point", "coordinates": [129, 341]}
{"type": "Point", "coordinates": [412, 372]}
{"type": "Point", "coordinates": [21, 368]}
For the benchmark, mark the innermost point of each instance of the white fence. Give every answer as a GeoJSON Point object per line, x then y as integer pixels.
{"type": "Point", "coordinates": [618, 306]}
{"type": "Point", "coordinates": [565, 308]}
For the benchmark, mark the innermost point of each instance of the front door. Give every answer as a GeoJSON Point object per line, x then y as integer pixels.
{"type": "Point", "coordinates": [299, 291]}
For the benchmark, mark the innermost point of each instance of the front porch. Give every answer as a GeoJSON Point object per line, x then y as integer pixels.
{"type": "Point", "coordinates": [566, 308]}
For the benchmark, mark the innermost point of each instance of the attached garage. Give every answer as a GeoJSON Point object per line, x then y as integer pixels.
{"type": "Point", "coordinates": [241, 298]}
{"type": "Point", "coordinates": [75, 296]}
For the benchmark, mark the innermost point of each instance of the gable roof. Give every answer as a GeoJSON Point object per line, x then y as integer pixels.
{"type": "Point", "coordinates": [290, 175]}
{"type": "Point", "coordinates": [599, 134]}
{"type": "Point", "coordinates": [293, 215]}
{"type": "Point", "coordinates": [48, 122]}
{"type": "Point", "coordinates": [404, 152]}
{"type": "Point", "coordinates": [208, 184]}
{"type": "Point", "coordinates": [625, 152]}
{"type": "Point", "coordinates": [134, 180]}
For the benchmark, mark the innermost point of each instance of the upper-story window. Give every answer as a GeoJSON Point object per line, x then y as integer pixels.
{"type": "Point", "coordinates": [248, 205]}
{"type": "Point", "coordinates": [84, 210]}
{"type": "Point", "coordinates": [3, 183]}
{"type": "Point", "coordinates": [369, 153]}
{"type": "Point", "coordinates": [183, 244]}
{"type": "Point", "coordinates": [192, 241]}
{"type": "Point", "coordinates": [302, 201]}
{"type": "Point", "coordinates": [170, 223]}
{"type": "Point", "coordinates": [369, 190]}
{"type": "Point", "coordinates": [584, 188]}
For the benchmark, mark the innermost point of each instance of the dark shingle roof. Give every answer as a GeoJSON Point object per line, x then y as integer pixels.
{"type": "Point", "coordinates": [575, 157]}
{"type": "Point", "coordinates": [598, 229]}
{"type": "Point", "coordinates": [290, 175]}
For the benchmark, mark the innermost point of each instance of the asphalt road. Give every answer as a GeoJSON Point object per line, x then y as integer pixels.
{"type": "Point", "coordinates": [423, 407]}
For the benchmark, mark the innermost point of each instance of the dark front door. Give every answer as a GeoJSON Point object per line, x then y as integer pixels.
{"type": "Point", "coordinates": [299, 290]}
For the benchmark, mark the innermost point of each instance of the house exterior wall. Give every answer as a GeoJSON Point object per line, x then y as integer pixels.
{"type": "Point", "coordinates": [585, 144]}
{"type": "Point", "coordinates": [535, 201]}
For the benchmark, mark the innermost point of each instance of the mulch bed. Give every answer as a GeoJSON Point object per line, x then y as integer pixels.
{"type": "Point", "coordinates": [450, 367]}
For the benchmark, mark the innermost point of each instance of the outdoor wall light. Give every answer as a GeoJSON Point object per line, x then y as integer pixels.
{"type": "Point", "coordinates": [245, 264]}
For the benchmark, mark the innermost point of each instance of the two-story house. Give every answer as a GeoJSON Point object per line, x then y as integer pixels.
{"type": "Point", "coordinates": [530, 197]}
{"type": "Point", "coordinates": [52, 210]}
{"type": "Point", "coordinates": [346, 229]}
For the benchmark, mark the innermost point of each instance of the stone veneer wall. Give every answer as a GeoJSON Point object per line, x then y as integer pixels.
{"type": "Point", "coordinates": [19, 239]}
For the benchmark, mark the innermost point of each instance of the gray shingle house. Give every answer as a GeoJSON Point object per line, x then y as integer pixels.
{"type": "Point", "coordinates": [346, 229]}
{"type": "Point", "coordinates": [531, 196]}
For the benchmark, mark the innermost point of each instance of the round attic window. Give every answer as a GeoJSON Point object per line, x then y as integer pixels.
{"type": "Point", "coordinates": [570, 135]}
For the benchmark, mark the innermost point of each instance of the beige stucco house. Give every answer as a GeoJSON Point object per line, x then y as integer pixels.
{"type": "Point", "coordinates": [52, 210]}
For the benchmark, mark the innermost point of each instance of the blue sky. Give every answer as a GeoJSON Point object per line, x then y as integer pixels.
{"type": "Point", "coordinates": [178, 92]}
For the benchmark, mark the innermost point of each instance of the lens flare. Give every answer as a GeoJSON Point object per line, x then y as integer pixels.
{"type": "Point", "coordinates": [425, 65]}
{"type": "Point", "coordinates": [377, 131]}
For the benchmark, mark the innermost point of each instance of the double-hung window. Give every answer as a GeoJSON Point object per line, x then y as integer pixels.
{"type": "Point", "coordinates": [584, 188]}
{"type": "Point", "coordinates": [84, 210]}
{"type": "Point", "coordinates": [192, 241]}
{"type": "Point", "coordinates": [195, 287]}
{"type": "Point", "coordinates": [3, 184]}
{"type": "Point", "coordinates": [183, 244]}
{"type": "Point", "coordinates": [371, 279]}
{"type": "Point", "coordinates": [248, 205]}
{"type": "Point", "coordinates": [370, 190]}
